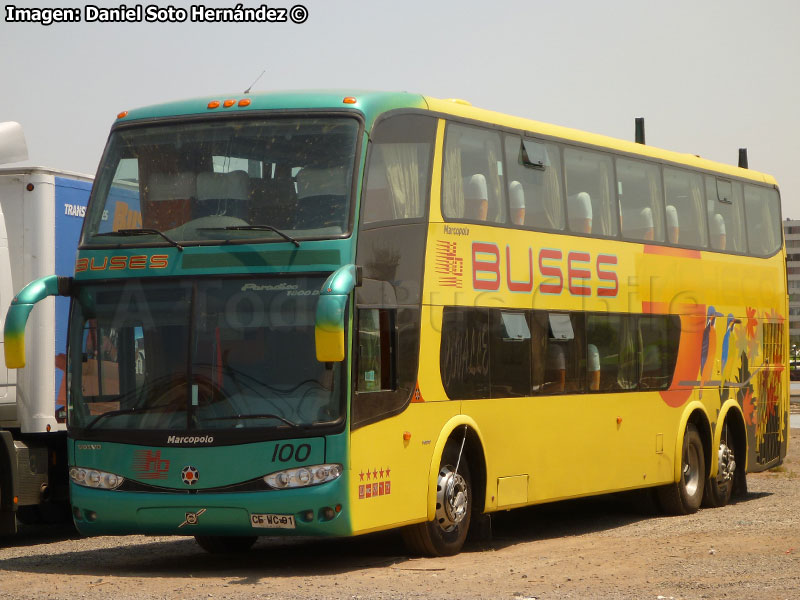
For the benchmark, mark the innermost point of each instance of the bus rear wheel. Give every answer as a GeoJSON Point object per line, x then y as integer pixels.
{"type": "Point", "coordinates": [685, 496]}
{"type": "Point", "coordinates": [221, 544]}
{"type": "Point", "coordinates": [718, 490]}
{"type": "Point", "coordinates": [445, 535]}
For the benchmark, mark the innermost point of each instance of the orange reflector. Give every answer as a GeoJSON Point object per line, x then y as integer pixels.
{"type": "Point", "coordinates": [213, 104]}
{"type": "Point", "coordinates": [349, 100]}
{"type": "Point", "coordinates": [619, 420]}
{"type": "Point", "coordinates": [123, 114]}
{"type": "Point", "coordinates": [29, 187]}
{"type": "Point", "coordinates": [228, 103]}
{"type": "Point", "coordinates": [48, 428]}
{"type": "Point", "coordinates": [338, 508]}
{"type": "Point", "coordinates": [245, 102]}
{"type": "Point", "coordinates": [16, 499]}
{"type": "Point", "coordinates": [406, 435]}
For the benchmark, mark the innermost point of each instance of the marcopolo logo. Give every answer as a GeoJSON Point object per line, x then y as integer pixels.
{"type": "Point", "coordinates": [201, 439]}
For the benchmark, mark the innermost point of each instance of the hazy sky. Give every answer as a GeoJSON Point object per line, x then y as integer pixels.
{"type": "Point", "coordinates": [708, 76]}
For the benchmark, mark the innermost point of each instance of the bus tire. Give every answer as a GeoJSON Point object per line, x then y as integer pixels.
{"type": "Point", "coordinates": [445, 535]}
{"type": "Point", "coordinates": [685, 496]}
{"type": "Point", "coordinates": [221, 544]}
{"type": "Point", "coordinates": [718, 490]}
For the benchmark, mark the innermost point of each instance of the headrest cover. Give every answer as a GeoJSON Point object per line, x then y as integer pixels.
{"type": "Point", "coordinates": [555, 357]}
{"type": "Point", "coordinates": [672, 216]}
{"type": "Point", "coordinates": [476, 188]}
{"type": "Point", "coordinates": [171, 186]}
{"type": "Point", "coordinates": [223, 186]}
{"type": "Point", "coordinates": [593, 358]}
{"type": "Point", "coordinates": [639, 219]}
{"type": "Point", "coordinates": [580, 206]}
{"type": "Point", "coordinates": [516, 195]}
{"type": "Point", "coordinates": [718, 224]}
{"type": "Point", "coordinates": [321, 182]}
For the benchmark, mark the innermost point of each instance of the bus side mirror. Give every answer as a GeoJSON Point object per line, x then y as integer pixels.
{"type": "Point", "coordinates": [329, 324]}
{"type": "Point", "coordinates": [20, 310]}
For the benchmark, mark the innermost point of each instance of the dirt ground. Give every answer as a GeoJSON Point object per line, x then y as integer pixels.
{"type": "Point", "coordinates": [599, 548]}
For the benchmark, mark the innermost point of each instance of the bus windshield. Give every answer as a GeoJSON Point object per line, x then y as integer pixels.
{"type": "Point", "coordinates": [224, 180]}
{"type": "Point", "coordinates": [208, 355]}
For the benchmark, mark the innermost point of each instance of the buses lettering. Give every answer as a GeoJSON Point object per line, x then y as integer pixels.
{"type": "Point", "coordinates": [117, 263]}
{"type": "Point", "coordinates": [578, 270]}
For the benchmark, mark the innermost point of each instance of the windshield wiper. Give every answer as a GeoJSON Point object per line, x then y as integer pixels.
{"type": "Point", "coordinates": [288, 238]}
{"type": "Point", "coordinates": [256, 416]}
{"type": "Point", "coordinates": [123, 411]}
{"type": "Point", "coordinates": [145, 231]}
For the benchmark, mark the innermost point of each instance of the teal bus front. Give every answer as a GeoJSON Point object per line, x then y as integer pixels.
{"type": "Point", "coordinates": [197, 404]}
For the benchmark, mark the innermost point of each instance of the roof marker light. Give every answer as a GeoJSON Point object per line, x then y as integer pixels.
{"type": "Point", "coordinates": [245, 102]}
{"type": "Point", "coordinates": [123, 114]}
{"type": "Point", "coordinates": [349, 100]}
{"type": "Point", "coordinates": [228, 103]}
{"type": "Point", "coordinates": [213, 104]}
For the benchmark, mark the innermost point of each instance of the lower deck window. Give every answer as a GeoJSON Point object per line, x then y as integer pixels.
{"type": "Point", "coordinates": [500, 353]}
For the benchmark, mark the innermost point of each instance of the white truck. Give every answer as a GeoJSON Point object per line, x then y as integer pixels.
{"type": "Point", "coordinates": [41, 214]}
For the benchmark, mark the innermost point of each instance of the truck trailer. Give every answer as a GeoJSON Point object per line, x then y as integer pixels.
{"type": "Point", "coordinates": [41, 214]}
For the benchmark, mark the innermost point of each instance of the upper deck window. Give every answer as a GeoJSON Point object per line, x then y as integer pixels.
{"type": "Point", "coordinates": [591, 207]}
{"type": "Point", "coordinates": [641, 202]}
{"type": "Point", "coordinates": [534, 183]}
{"type": "Point", "coordinates": [725, 215]}
{"type": "Point", "coordinates": [472, 184]}
{"type": "Point", "coordinates": [762, 207]}
{"type": "Point", "coordinates": [398, 175]}
{"type": "Point", "coordinates": [197, 181]}
{"type": "Point", "coordinates": [685, 207]}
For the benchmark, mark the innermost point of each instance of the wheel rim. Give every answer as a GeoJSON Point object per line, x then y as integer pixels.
{"type": "Point", "coordinates": [452, 499]}
{"type": "Point", "coordinates": [691, 469]}
{"type": "Point", "coordinates": [727, 464]}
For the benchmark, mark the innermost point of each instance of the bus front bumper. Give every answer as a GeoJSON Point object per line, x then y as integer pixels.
{"type": "Point", "coordinates": [313, 511]}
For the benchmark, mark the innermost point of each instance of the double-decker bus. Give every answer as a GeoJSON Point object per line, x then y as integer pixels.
{"type": "Point", "coordinates": [332, 313]}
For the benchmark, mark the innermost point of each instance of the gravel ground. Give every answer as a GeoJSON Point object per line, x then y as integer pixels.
{"type": "Point", "coordinates": [599, 548]}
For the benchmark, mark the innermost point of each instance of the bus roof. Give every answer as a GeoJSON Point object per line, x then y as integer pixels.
{"type": "Point", "coordinates": [372, 104]}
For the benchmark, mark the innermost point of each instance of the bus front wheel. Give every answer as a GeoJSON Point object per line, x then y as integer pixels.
{"type": "Point", "coordinates": [221, 544]}
{"type": "Point", "coordinates": [685, 496]}
{"type": "Point", "coordinates": [445, 535]}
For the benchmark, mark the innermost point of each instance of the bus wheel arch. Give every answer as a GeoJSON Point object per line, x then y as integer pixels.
{"type": "Point", "coordinates": [458, 492]}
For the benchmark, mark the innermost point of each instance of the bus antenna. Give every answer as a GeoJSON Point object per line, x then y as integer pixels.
{"type": "Point", "coordinates": [247, 91]}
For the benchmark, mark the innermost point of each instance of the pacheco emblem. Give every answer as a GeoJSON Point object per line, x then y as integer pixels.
{"type": "Point", "coordinates": [190, 475]}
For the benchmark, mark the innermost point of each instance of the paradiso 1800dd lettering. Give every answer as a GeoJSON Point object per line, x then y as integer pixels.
{"type": "Point", "coordinates": [557, 270]}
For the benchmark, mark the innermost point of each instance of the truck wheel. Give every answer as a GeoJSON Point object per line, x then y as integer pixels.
{"type": "Point", "coordinates": [445, 535]}
{"type": "Point", "coordinates": [684, 497]}
{"type": "Point", "coordinates": [219, 544]}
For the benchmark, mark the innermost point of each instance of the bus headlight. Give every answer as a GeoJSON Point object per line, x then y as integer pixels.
{"type": "Point", "coordinates": [303, 476]}
{"type": "Point", "coordinates": [95, 479]}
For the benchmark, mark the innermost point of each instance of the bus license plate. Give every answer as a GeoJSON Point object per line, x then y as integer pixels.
{"type": "Point", "coordinates": [273, 521]}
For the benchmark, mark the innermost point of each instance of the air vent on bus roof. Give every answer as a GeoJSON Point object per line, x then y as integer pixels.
{"type": "Point", "coordinates": [460, 101]}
